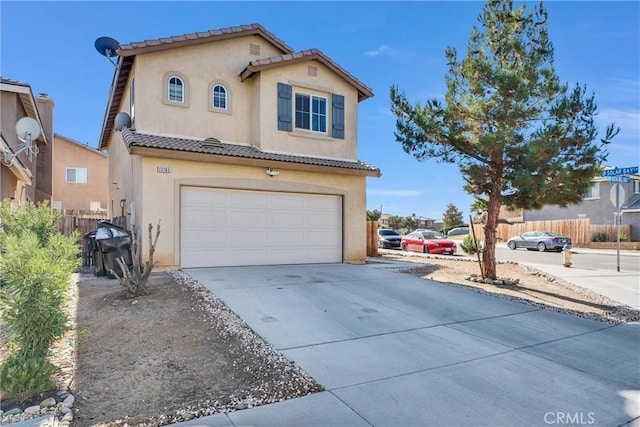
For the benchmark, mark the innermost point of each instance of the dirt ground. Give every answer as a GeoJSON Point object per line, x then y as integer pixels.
{"type": "Point", "coordinates": [169, 356]}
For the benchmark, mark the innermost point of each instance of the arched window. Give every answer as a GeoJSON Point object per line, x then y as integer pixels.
{"type": "Point", "coordinates": [176, 89]}
{"type": "Point", "coordinates": [219, 97]}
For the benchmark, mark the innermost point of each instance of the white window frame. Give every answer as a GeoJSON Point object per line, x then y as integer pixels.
{"type": "Point", "coordinates": [636, 187]}
{"type": "Point", "coordinates": [82, 179]}
{"type": "Point", "coordinates": [219, 96]}
{"type": "Point", "coordinates": [174, 86]}
{"type": "Point", "coordinates": [593, 192]}
{"type": "Point", "coordinates": [312, 112]}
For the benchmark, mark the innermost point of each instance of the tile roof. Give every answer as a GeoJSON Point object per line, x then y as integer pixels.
{"type": "Point", "coordinates": [258, 65]}
{"type": "Point", "coordinates": [136, 139]}
{"type": "Point", "coordinates": [202, 37]}
{"type": "Point", "coordinates": [13, 82]}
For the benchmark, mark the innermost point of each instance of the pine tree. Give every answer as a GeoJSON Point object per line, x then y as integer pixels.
{"type": "Point", "coordinates": [520, 137]}
{"type": "Point", "coordinates": [452, 217]}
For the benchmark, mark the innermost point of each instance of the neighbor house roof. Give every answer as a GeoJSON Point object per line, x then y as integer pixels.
{"type": "Point", "coordinates": [258, 65]}
{"type": "Point", "coordinates": [23, 90]}
{"type": "Point", "coordinates": [235, 153]}
{"type": "Point", "coordinates": [128, 52]}
{"type": "Point", "coordinates": [86, 146]}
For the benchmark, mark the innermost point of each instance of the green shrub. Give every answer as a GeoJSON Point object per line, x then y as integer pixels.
{"type": "Point", "coordinates": [623, 237]}
{"type": "Point", "coordinates": [22, 377]}
{"type": "Point", "coordinates": [471, 246]}
{"type": "Point", "coordinates": [36, 263]}
{"type": "Point", "coordinates": [600, 237]}
{"type": "Point", "coordinates": [35, 218]}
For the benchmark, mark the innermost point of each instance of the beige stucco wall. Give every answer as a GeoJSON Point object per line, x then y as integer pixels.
{"type": "Point", "coordinates": [251, 117]}
{"type": "Point", "coordinates": [161, 198]}
{"type": "Point", "coordinates": [199, 66]}
{"type": "Point", "coordinates": [68, 154]}
{"type": "Point", "coordinates": [306, 142]}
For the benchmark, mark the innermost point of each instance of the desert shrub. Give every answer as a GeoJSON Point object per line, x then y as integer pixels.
{"type": "Point", "coordinates": [471, 246]}
{"type": "Point", "coordinates": [36, 263]}
{"type": "Point", "coordinates": [35, 218]}
{"type": "Point", "coordinates": [600, 237]}
{"type": "Point", "coordinates": [22, 376]}
{"type": "Point", "coordinates": [623, 237]}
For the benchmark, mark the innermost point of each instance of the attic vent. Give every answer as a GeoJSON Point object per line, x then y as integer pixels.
{"type": "Point", "coordinates": [254, 49]}
{"type": "Point", "coordinates": [312, 71]}
{"type": "Point", "coordinates": [212, 142]}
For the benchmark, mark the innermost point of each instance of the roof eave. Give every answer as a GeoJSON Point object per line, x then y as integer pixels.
{"type": "Point", "coordinates": [245, 161]}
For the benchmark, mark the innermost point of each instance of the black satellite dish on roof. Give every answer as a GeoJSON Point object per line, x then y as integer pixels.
{"type": "Point", "coordinates": [106, 46]}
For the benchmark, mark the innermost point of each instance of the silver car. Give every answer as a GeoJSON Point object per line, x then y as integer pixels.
{"type": "Point", "coordinates": [539, 240]}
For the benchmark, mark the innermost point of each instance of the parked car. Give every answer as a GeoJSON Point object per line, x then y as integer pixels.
{"type": "Point", "coordinates": [458, 231]}
{"type": "Point", "coordinates": [539, 240]}
{"type": "Point", "coordinates": [428, 242]}
{"type": "Point", "coordinates": [388, 238]}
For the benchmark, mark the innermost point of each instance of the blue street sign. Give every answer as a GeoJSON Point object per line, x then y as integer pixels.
{"type": "Point", "coordinates": [621, 171]}
{"type": "Point", "coordinates": [622, 179]}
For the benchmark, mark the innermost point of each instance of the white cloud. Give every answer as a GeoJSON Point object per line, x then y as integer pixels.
{"type": "Point", "coordinates": [395, 193]}
{"type": "Point", "coordinates": [379, 51]}
{"type": "Point", "coordinates": [627, 120]}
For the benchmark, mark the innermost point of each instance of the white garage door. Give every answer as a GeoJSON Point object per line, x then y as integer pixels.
{"type": "Point", "coordinates": [221, 227]}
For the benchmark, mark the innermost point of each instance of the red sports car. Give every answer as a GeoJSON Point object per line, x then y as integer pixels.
{"type": "Point", "coordinates": [428, 242]}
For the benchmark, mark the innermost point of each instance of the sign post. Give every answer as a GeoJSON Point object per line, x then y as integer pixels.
{"type": "Point", "coordinates": [619, 176]}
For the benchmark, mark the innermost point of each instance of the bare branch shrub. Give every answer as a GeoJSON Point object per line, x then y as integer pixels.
{"type": "Point", "coordinates": [135, 280]}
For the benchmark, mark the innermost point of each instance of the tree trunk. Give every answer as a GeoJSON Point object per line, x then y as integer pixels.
{"type": "Point", "coordinates": [489, 254]}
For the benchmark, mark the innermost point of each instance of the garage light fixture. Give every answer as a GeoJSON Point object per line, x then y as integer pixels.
{"type": "Point", "coordinates": [272, 172]}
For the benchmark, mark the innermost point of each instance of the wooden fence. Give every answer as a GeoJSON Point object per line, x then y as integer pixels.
{"type": "Point", "coordinates": [372, 238]}
{"type": "Point", "coordinates": [581, 231]}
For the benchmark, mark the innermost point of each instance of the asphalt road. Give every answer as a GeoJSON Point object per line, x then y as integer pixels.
{"type": "Point", "coordinates": [579, 258]}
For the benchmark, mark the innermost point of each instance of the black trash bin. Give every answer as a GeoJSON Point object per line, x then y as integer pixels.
{"type": "Point", "coordinates": [96, 255]}
{"type": "Point", "coordinates": [113, 242]}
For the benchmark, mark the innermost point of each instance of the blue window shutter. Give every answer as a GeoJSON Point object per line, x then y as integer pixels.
{"type": "Point", "coordinates": [284, 107]}
{"type": "Point", "coordinates": [337, 116]}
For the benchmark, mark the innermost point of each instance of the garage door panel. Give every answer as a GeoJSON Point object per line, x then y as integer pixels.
{"type": "Point", "coordinates": [223, 227]}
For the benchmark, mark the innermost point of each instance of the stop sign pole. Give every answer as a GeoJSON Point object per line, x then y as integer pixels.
{"type": "Point", "coordinates": [619, 175]}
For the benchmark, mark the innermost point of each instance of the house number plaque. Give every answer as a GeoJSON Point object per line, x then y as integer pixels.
{"type": "Point", "coordinates": [163, 169]}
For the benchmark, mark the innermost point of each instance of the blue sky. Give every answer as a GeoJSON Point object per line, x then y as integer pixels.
{"type": "Point", "coordinates": [50, 46]}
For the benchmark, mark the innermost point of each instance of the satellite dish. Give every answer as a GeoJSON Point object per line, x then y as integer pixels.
{"type": "Point", "coordinates": [27, 129]}
{"type": "Point", "coordinates": [107, 46]}
{"type": "Point", "coordinates": [122, 120]}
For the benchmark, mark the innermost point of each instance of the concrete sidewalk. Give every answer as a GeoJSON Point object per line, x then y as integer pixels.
{"type": "Point", "coordinates": [395, 350]}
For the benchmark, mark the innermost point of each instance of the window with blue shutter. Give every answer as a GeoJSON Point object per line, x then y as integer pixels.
{"type": "Point", "coordinates": [284, 107]}
{"type": "Point", "coordinates": [337, 116]}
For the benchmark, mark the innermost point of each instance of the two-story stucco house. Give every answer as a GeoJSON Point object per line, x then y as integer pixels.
{"type": "Point", "coordinates": [80, 181]}
{"type": "Point", "coordinates": [27, 176]}
{"type": "Point", "coordinates": [244, 149]}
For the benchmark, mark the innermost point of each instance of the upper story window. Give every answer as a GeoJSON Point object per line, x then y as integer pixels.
{"type": "Point", "coordinates": [593, 191]}
{"type": "Point", "coordinates": [636, 187]}
{"type": "Point", "coordinates": [176, 89]}
{"type": "Point", "coordinates": [219, 96]}
{"type": "Point", "coordinates": [77, 175]}
{"type": "Point", "coordinates": [311, 113]}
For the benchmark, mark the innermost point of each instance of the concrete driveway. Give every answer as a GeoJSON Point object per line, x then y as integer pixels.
{"type": "Point", "coordinates": [395, 350]}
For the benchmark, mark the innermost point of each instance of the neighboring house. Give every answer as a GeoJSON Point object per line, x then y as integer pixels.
{"type": "Point", "coordinates": [244, 149]}
{"type": "Point", "coordinates": [27, 177]}
{"type": "Point", "coordinates": [80, 181]}
{"type": "Point", "coordinates": [599, 206]}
